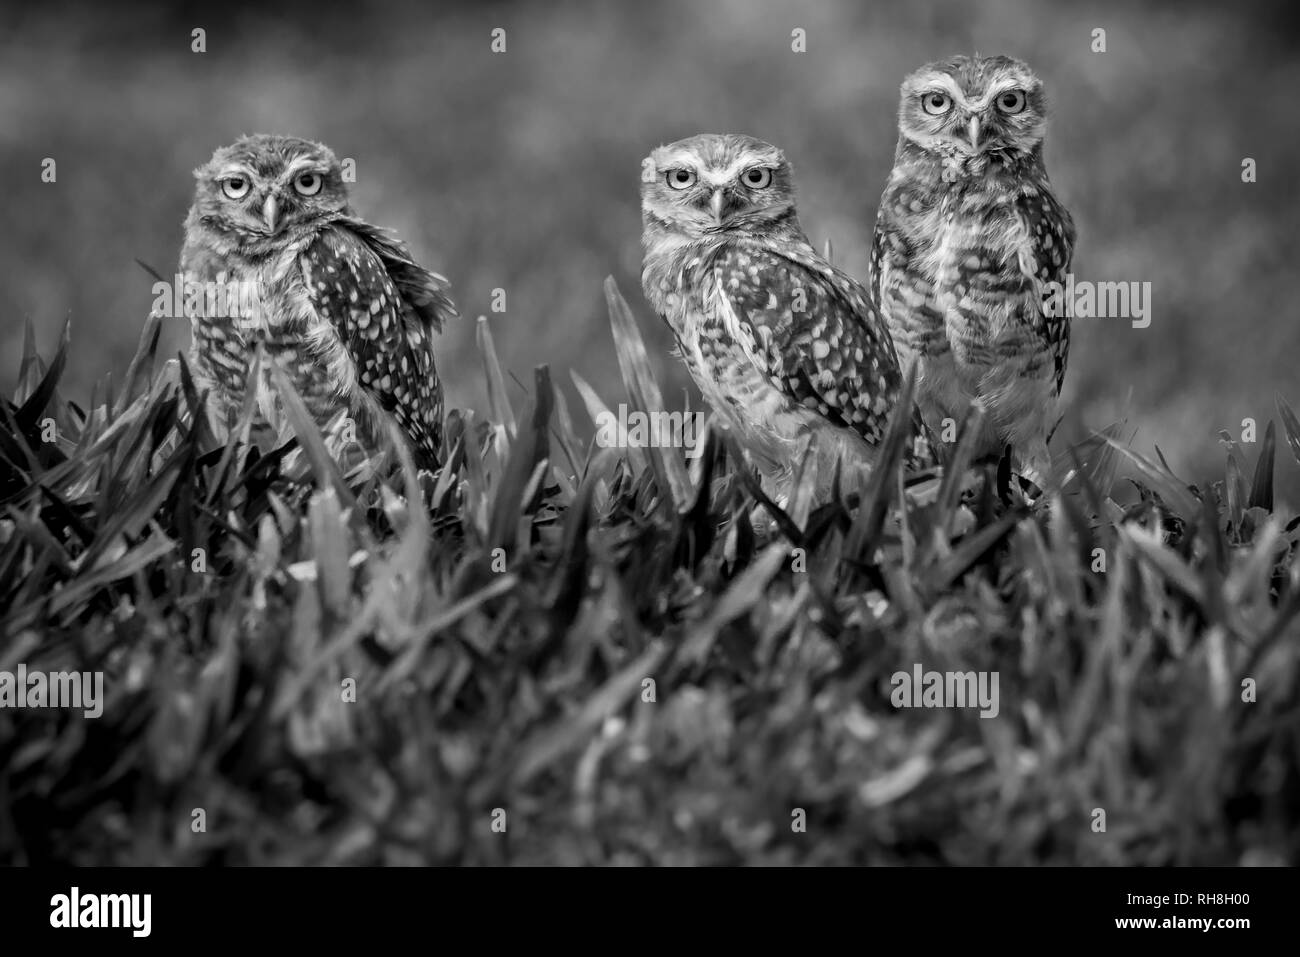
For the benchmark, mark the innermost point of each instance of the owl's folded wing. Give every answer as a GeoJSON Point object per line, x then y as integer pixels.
{"type": "Point", "coordinates": [375, 345]}
{"type": "Point", "coordinates": [816, 335]}
{"type": "Point", "coordinates": [424, 292]}
{"type": "Point", "coordinates": [1045, 258]}
{"type": "Point", "coordinates": [880, 243]}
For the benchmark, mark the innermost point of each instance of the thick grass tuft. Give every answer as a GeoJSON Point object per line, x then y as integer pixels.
{"type": "Point", "coordinates": [633, 657]}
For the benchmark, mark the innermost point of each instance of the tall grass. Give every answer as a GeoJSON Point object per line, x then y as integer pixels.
{"type": "Point", "coordinates": [557, 653]}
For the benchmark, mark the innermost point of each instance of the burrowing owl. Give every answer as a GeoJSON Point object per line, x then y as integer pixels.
{"type": "Point", "coordinates": [969, 234]}
{"type": "Point", "coordinates": [336, 302]}
{"type": "Point", "coordinates": [784, 346]}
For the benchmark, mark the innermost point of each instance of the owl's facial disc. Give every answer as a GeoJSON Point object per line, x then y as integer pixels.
{"type": "Point", "coordinates": [265, 203]}
{"type": "Point", "coordinates": [712, 199]}
{"type": "Point", "coordinates": [698, 199]}
{"type": "Point", "coordinates": [957, 114]}
{"type": "Point", "coordinates": [265, 186]}
{"type": "Point", "coordinates": [709, 184]}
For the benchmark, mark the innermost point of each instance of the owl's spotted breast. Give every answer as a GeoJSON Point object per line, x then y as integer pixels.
{"type": "Point", "coordinates": [960, 276]}
{"type": "Point", "coordinates": [271, 311]}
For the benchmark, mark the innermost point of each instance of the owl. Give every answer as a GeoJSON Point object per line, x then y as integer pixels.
{"type": "Point", "coordinates": [968, 238]}
{"type": "Point", "coordinates": [786, 349]}
{"type": "Point", "coordinates": [275, 259]}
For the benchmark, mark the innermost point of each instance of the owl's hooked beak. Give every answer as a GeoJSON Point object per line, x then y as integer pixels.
{"type": "Point", "coordinates": [974, 128]}
{"type": "Point", "coordinates": [716, 202]}
{"type": "Point", "coordinates": [271, 213]}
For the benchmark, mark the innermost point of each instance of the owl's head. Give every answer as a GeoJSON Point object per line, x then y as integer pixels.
{"type": "Point", "coordinates": [261, 186]}
{"type": "Point", "coordinates": [971, 105]}
{"type": "Point", "coordinates": [716, 183]}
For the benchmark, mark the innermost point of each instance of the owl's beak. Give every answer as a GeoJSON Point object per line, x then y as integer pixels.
{"type": "Point", "coordinates": [974, 133]}
{"type": "Point", "coordinates": [271, 213]}
{"type": "Point", "coordinates": [716, 202]}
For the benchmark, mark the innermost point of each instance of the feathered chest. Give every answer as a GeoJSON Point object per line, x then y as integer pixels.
{"type": "Point", "coordinates": [262, 300]}
{"type": "Point", "coordinates": [241, 304]}
{"type": "Point", "coordinates": [971, 226]}
{"type": "Point", "coordinates": [699, 293]}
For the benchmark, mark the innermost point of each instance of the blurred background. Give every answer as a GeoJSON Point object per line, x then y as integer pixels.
{"type": "Point", "coordinates": [519, 170]}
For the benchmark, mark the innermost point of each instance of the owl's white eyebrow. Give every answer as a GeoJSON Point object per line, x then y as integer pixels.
{"type": "Point", "coordinates": [719, 177]}
{"type": "Point", "coordinates": [675, 161]}
{"type": "Point", "coordinates": [715, 177]}
{"type": "Point", "coordinates": [305, 162]}
{"type": "Point", "coordinates": [230, 171]}
{"type": "Point", "coordinates": [993, 93]}
{"type": "Point", "coordinates": [933, 80]}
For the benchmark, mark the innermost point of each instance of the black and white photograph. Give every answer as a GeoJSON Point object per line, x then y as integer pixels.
{"type": "Point", "coordinates": [743, 433]}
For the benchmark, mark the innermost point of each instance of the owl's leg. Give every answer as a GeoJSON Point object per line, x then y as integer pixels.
{"type": "Point", "coordinates": [1035, 464]}
{"type": "Point", "coordinates": [1022, 403]}
{"type": "Point", "coordinates": [349, 441]}
{"type": "Point", "coordinates": [822, 452]}
{"type": "Point", "coordinates": [844, 450]}
{"type": "Point", "coordinates": [1029, 445]}
{"type": "Point", "coordinates": [777, 482]}
{"type": "Point", "coordinates": [943, 397]}
{"type": "Point", "coordinates": [217, 425]}
{"type": "Point", "coordinates": [776, 486]}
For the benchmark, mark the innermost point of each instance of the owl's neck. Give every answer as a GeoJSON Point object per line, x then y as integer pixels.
{"type": "Point", "coordinates": [659, 236]}
{"type": "Point", "coordinates": [668, 247]}
{"type": "Point", "coordinates": [252, 247]}
{"type": "Point", "coordinates": [945, 168]}
{"type": "Point", "coordinates": [672, 253]}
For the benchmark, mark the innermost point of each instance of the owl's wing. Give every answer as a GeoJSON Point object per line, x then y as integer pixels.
{"type": "Point", "coordinates": [817, 337]}
{"type": "Point", "coordinates": [1045, 258]}
{"type": "Point", "coordinates": [385, 338]}
{"type": "Point", "coordinates": [881, 243]}
{"type": "Point", "coordinates": [423, 292]}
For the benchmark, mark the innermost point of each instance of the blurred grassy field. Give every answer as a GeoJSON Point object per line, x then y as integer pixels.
{"type": "Point", "coordinates": [519, 170]}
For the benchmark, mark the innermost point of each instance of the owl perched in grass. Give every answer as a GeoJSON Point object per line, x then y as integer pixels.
{"type": "Point", "coordinates": [968, 235]}
{"type": "Point", "coordinates": [338, 304]}
{"type": "Point", "coordinates": [784, 347]}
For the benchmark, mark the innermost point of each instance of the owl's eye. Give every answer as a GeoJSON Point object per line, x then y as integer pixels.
{"type": "Point", "coordinates": [757, 177]}
{"type": "Point", "coordinates": [308, 184]}
{"type": "Point", "coordinates": [235, 187]}
{"type": "Point", "coordinates": [1012, 101]}
{"type": "Point", "coordinates": [936, 103]}
{"type": "Point", "coordinates": [680, 178]}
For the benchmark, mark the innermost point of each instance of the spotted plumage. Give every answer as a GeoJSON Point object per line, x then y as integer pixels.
{"type": "Point", "coordinates": [968, 236]}
{"type": "Point", "coordinates": [338, 304]}
{"type": "Point", "coordinates": [784, 347]}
